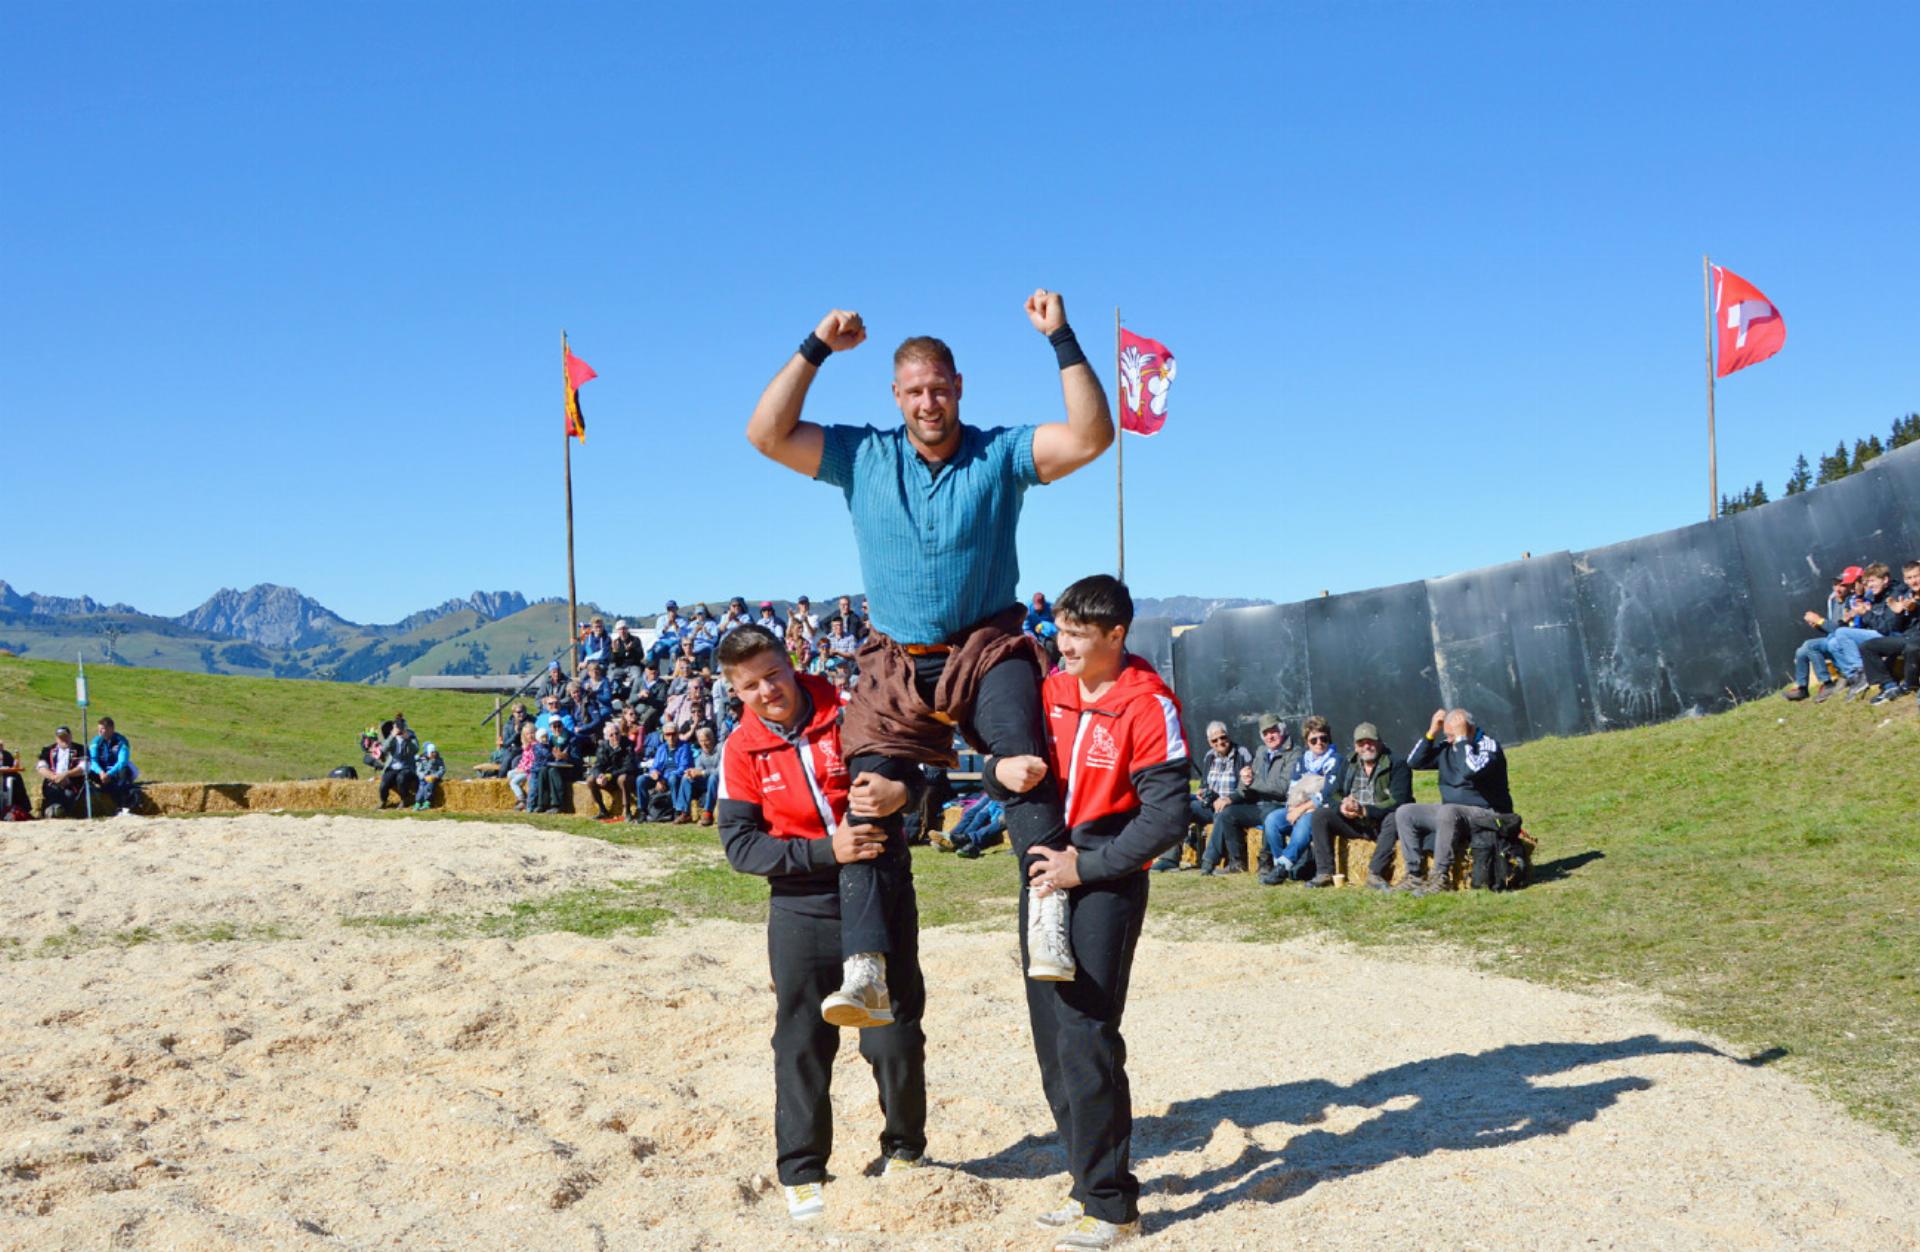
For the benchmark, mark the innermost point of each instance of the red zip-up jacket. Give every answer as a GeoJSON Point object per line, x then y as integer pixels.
{"type": "Point", "coordinates": [1122, 762]}
{"type": "Point", "coordinates": [780, 800]}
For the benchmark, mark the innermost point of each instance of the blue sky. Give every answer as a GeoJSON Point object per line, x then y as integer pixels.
{"type": "Point", "coordinates": [284, 285]}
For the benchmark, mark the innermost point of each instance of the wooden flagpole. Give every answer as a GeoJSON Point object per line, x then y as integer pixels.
{"type": "Point", "coordinates": [566, 442]}
{"type": "Point", "coordinates": [1713, 468]}
{"type": "Point", "coordinates": [1120, 450]}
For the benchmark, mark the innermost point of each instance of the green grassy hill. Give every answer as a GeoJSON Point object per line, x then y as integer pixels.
{"type": "Point", "coordinates": [207, 728]}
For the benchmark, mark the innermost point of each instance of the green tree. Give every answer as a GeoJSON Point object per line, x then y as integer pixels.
{"type": "Point", "coordinates": [1835, 467]}
{"type": "Point", "coordinates": [1802, 476]}
{"type": "Point", "coordinates": [1905, 431]}
{"type": "Point", "coordinates": [1865, 450]}
{"type": "Point", "coordinates": [1757, 496]}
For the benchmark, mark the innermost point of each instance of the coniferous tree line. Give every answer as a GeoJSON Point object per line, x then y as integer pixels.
{"type": "Point", "coordinates": [1830, 468]}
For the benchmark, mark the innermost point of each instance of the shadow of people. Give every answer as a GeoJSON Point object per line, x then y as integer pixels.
{"type": "Point", "coordinates": [1460, 1101]}
{"type": "Point", "coordinates": [1563, 866]}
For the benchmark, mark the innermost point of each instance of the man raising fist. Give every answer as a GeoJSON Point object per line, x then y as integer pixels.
{"type": "Point", "coordinates": [935, 505]}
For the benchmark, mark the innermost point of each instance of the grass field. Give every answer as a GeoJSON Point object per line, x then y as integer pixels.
{"type": "Point", "coordinates": [207, 728]}
{"type": "Point", "coordinates": [1759, 870]}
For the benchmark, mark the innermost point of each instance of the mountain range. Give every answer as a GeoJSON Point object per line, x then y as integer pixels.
{"type": "Point", "coordinates": [274, 631]}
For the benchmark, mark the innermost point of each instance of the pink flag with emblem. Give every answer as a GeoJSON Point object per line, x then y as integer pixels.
{"type": "Point", "coordinates": [1749, 329]}
{"type": "Point", "coordinates": [1146, 375]}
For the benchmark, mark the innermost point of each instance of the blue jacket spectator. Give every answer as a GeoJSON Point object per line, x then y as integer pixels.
{"type": "Point", "coordinates": [1038, 614]}
{"type": "Point", "coordinates": [595, 645]}
{"type": "Point", "coordinates": [110, 761]}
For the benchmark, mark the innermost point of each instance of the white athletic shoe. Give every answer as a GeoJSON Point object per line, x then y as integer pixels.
{"type": "Point", "coordinates": [1049, 950]}
{"type": "Point", "coordinates": [898, 1166]}
{"type": "Point", "coordinates": [1091, 1232]}
{"type": "Point", "coordinates": [862, 999]}
{"type": "Point", "coordinates": [1066, 1215]}
{"type": "Point", "coordinates": [806, 1201]}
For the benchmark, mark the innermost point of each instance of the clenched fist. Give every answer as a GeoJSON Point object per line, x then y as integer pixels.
{"type": "Point", "coordinates": [841, 329]}
{"type": "Point", "coordinates": [1046, 310]}
{"type": "Point", "coordinates": [1019, 774]}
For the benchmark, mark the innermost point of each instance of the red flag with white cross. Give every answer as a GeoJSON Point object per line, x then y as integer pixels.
{"type": "Point", "coordinates": [1749, 329]}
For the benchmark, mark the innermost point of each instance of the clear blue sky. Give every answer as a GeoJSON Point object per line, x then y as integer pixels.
{"type": "Point", "coordinates": [283, 286]}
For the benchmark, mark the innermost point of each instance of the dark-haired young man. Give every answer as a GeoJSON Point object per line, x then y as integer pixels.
{"type": "Point", "coordinates": [1114, 735]}
{"type": "Point", "coordinates": [1899, 637]}
{"type": "Point", "coordinates": [935, 505]}
{"type": "Point", "coordinates": [785, 797]}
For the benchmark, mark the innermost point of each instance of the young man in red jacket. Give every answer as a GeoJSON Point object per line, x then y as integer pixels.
{"type": "Point", "coordinates": [1116, 742]}
{"type": "Point", "coordinates": [785, 797]}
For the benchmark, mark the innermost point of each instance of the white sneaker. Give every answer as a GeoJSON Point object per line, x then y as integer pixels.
{"type": "Point", "coordinates": [1049, 950]}
{"type": "Point", "coordinates": [1066, 1215]}
{"type": "Point", "coordinates": [898, 1166]}
{"type": "Point", "coordinates": [1091, 1232]}
{"type": "Point", "coordinates": [862, 999]}
{"type": "Point", "coordinates": [806, 1201]}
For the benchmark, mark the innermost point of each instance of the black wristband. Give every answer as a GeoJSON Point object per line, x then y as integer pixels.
{"type": "Point", "coordinates": [1066, 348]}
{"type": "Point", "coordinates": [815, 350]}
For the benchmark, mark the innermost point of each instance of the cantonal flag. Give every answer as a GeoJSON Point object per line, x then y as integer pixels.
{"type": "Point", "coordinates": [1146, 375]}
{"type": "Point", "coordinates": [577, 372]}
{"type": "Point", "coordinates": [1747, 326]}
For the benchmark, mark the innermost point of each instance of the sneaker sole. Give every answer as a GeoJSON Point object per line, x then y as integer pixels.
{"type": "Point", "coordinates": [842, 1012]}
{"type": "Point", "coordinates": [1051, 973]}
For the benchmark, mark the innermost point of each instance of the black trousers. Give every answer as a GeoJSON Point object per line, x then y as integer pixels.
{"type": "Point", "coordinates": [1226, 845]}
{"type": "Point", "coordinates": [1083, 1058]}
{"type": "Point", "coordinates": [1327, 823]}
{"type": "Point", "coordinates": [72, 798]}
{"type": "Point", "coordinates": [868, 888]}
{"type": "Point", "coordinates": [803, 953]}
{"type": "Point", "coordinates": [1877, 657]}
{"type": "Point", "coordinates": [399, 781]}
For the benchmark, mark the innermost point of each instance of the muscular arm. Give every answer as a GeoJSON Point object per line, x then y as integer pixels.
{"type": "Point", "coordinates": [1059, 448]}
{"type": "Point", "coordinates": [775, 429]}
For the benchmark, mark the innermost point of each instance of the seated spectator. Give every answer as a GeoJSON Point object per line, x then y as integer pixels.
{"type": "Point", "coordinates": [549, 783]}
{"type": "Point", "coordinates": [735, 709]}
{"type": "Point", "coordinates": [520, 772]}
{"type": "Point", "coordinates": [1361, 806]}
{"type": "Point", "coordinates": [507, 745]}
{"type": "Point", "coordinates": [1812, 657]}
{"type": "Point", "coordinates": [851, 623]}
{"type": "Point", "coordinates": [1287, 832]}
{"type": "Point", "coordinates": [667, 643]}
{"type": "Point", "coordinates": [838, 649]}
{"type": "Point", "coordinates": [735, 617]}
{"type": "Point", "coordinates": [1867, 619]}
{"type": "Point", "coordinates": [981, 827]}
{"type": "Point", "coordinates": [110, 762]}
{"type": "Point", "coordinates": [1038, 615]}
{"type": "Point", "coordinates": [625, 656]}
{"type": "Point", "coordinates": [799, 646]}
{"type": "Point", "coordinates": [427, 775]}
{"type": "Point", "coordinates": [552, 712]}
{"type": "Point", "coordinates": [398, 757]}
{"type": "Point", "coordinates": [598, 690]}
{"type": "Point", "coordinates": [371, 741]}
{"type": "Point", "coordinates": [670, 759]}
{"type": "Point", "coordinates": [701, 779]}
{"type": "Point", "coordinates": [610, 774]}
{"type": "Point", "coordinates": [594, 644]}
{"type": "Point", "coordinates": [649, 695]}
{"type": "Point", "coordinates": [769, 621]}
{"type": "Point", "coordinates": [1258, 799]}
{"type": "Point", "coordinates": [14, 804]}
{"type": "Point", "coordinates": [1473, 795]}
{"type": "Point", "coordinates": [62, 768]}
{"type": "Point", "coordinates": [552, 683]}
{"type": "Point", "coordinates": [1899, 637]}
{"type": "Point", "coordinates": [1228, 768]}
{"type": "Point", "coordinates": [700, 638]}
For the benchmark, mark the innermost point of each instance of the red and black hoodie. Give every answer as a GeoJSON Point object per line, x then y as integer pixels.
{"type": "Point", "coordinates": [781, 795]}
{"type": "Point", "coordinates": [1122, 762]}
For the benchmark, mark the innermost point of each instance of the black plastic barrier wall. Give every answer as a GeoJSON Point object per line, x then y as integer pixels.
{"type": "Point", "coordinates": [1681, 623]}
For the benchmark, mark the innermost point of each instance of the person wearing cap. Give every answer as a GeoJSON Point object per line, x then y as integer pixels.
{"type": "Point", "coordinates": [1823, 650]}
{"type": "Point", "coordinates": [1259, 792]}
{"type": "Point", "coordinates": [666, 645]}
{"type": "Point", "coordinates": [110, 762]}
{"type": "Point", "coordinates": [769, 621]}
{"type": "Point", "coordinates": [552, 683]}
{"type": "Point", "coordinates": [703, 634]}
{"type": "Point", "coordinates": [1361, 805]}
{"type": "Point", "coordinates": [808, 619]}
{"type": "Point", "coordinates": [62, 768]}
{"type": "Point", "coordinates": [625, 657]}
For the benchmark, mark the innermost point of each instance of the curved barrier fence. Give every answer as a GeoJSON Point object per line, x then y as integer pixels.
{"type": "Point", "coordinates": [1684, 622]}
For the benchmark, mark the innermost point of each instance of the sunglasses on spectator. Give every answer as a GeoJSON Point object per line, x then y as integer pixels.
{"type": "Point", "coordinates": [1216, 738]}
{"type": "Point", "coordinates": [1319, 739]}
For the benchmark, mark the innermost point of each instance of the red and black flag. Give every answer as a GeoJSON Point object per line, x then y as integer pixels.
{"type": "Point", "coordinates": [577, 372]}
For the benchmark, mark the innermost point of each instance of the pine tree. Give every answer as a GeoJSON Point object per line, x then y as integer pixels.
{"type": "Point", "coordinates": [1758, 496]}
{"type": "Point", "coordinates": [1728, 505]}
{"type": "Point", "coordinates": [1864, 451]}
{"type": "Point", "coordinates": [1833, 468]}
{"type": "Point", "coordinates": [1905, 431]}
{"type": "Point", "coordinates": [1802, 477]}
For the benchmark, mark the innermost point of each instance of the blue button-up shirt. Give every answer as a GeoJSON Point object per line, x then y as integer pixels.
{"type": "Point", "coordinates": [936, 542]}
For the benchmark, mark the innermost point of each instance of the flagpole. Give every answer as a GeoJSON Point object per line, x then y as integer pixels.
{"type": "Point", "coordinates": [566, 442]}
{"type": "Point", "coordinates": [1713, 468]}
{"type": "Point", "coordinates": [1120, 450]}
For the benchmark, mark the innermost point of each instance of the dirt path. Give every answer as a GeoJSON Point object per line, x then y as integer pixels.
{"type": "Point", "coordinates": [351, 1089]}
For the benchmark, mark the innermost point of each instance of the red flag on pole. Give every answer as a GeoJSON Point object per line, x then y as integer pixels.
{"type": "Point", "coordinates": [1748, 327]}
{"type": "Point", "coordinates": [1146, 375]}
{"type": "Point", "coordinates": [578, 372]}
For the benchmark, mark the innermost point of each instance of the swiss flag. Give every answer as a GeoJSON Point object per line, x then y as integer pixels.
{"type": "Point", "coordinates": [1749, 328]}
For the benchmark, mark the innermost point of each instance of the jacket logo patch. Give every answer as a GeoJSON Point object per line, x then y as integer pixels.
{"type": "Point", "coordinates": [772, 781]}
{"type": "Point", "coordinates": [830, 757]}
{"type": "Point", "coordinates": [1102, 751]}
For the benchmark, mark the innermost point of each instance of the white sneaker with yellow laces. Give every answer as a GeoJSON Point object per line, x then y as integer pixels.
{"type": "Point", "coordinates": [806, 1201]}
{"type": "Point", "coordinates": [1091, 1233]}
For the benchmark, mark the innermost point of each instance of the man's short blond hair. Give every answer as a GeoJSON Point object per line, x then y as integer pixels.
{"type": "Point", "coordinates": [925, 348]}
